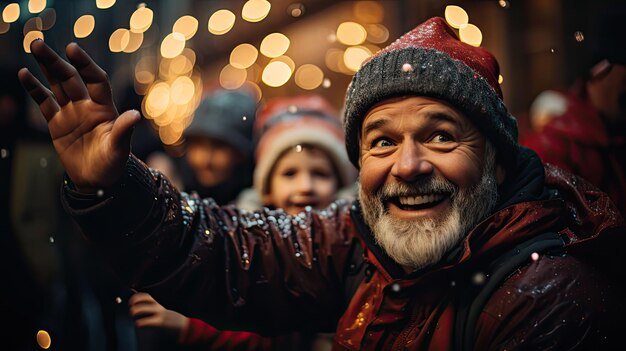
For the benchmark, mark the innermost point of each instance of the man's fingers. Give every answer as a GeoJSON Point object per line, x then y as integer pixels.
{"type": "Point", "coordinates": [123, 128]}
{"type": "Point", "coordinates": [95, 77]}
{"type": "Point", "coordinates": [59, 72]}
{"type": "Point", "coordinates": [42, 96]}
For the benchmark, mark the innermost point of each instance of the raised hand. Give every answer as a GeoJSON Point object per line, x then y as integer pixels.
{"type": "Point", "coordinates": [91, 138]}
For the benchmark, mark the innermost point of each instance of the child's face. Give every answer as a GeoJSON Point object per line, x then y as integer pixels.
{"type": "Point", "coordinates": [212, 160]}
{"type": "Point", "coordinates": [300, 179]}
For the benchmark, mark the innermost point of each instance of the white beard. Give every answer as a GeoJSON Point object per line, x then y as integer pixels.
{"type": "Point", "coordinates": [420, 242]}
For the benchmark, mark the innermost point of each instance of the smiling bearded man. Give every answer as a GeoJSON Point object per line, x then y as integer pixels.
{"type": "Point", "coordinates": [420, 242]}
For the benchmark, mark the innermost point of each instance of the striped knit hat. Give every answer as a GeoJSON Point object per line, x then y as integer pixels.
{"type": "Point", "coordinates": [287, 122]}
{"type": "Point", "coordinates": [431, 61]}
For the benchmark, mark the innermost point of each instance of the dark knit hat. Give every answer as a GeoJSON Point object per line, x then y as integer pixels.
{"type": "Point", "coordinates": [431, 61]}
{"type": "Point", "coordinates": [228, 116]}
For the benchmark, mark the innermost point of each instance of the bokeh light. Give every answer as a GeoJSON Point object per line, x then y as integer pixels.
{"type": "Point", "coordinates": [221, 22]}
{"type": "Point", "coordinates": [369, 11]}
{"type": "Point", "coordinates": [43, 339]}
{"type": "Point", "coordinates": [134, 42]}
{"type": "Point", "coordinates": [187, 26]}
{"type": "Point", "coordinates": [243, 55]}
{"type": "Point", "coordinates": [232, 77]}
{"type": "Point", "coordinates": [309, 76]}
{"type": "Point", "coordinates": [173, 45]}
{"type": "Point", "coordinates": [11, 13]}
{"type": "Point", "coordinates": [104, 4]}
{"type": "Point", "coordinates": [84, 26]}
{"type": "Point", "coordinates": [34, 23]}
{"type": "Point", "coordinates": [36, 6]}
{"type": "Point", "coordinates": [456, 16]}
{"type": "Point", "coordinates": [276, 73]}
{"type": "Point", "coordinates": [274, 45]}
{"type": "Point", "coordinates": [470, 34]}
{"type": "Point", "coordinates": [29, 37]}
{"type": "Point", "coordinates": [351, 33]}
{"type": "Point", "coordinates": [354, 57]}
{"type": "Point", "coordinates": [141, 19]}
{"type": "Point", "coordinates": [255, 10]}
{"type": "Point", "coordinates": [182, 90]}
{"type": "Point", "coordinates": [49, 18]}
{"type": "Point", "coordinates": [119, 40]}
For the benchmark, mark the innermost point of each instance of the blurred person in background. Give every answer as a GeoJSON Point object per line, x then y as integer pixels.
{"type": "Point", "coordinates": [588, 136]}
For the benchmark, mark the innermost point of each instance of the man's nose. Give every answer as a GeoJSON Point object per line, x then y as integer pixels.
{"type": "Point", "coordinates": [411, 162]}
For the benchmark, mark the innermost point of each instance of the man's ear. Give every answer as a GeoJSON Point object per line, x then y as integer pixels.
{"type": "Point", "coordinates": [500, 174]}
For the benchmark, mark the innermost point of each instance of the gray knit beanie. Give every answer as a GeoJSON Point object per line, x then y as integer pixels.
{"type": "Point", "coordinates": [228, 116]}
{"type": "Point", "coordinates": [431, 61]}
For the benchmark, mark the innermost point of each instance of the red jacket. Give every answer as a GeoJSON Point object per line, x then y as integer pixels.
{"type": "Point", "coordinates": [272, 273]}
{"type": "Point", "coordinates": [580, 142]}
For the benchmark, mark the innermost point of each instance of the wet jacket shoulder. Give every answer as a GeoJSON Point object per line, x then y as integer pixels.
{"type": "Point", "coordinates": [265, 271]}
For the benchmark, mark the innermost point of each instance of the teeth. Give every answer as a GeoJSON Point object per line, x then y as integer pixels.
{"type": "Point", "coordinates": [420, 200]}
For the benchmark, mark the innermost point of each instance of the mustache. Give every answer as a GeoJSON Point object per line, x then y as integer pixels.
{"type": "Point", "coordinates": [423, 186]}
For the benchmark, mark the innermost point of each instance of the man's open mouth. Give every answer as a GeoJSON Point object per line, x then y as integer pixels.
{"type": "Point", "coordinates": [420, 202]}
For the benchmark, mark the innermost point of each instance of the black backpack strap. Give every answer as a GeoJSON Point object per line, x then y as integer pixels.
{"type": "Point", "coordinates": [472, 302]}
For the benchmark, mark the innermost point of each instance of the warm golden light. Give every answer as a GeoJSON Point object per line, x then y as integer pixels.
{"type": "Point", "coordinates": [134, 42]}
{"type": "Point", "coordinates": [169, 136]}
{"type": "Point", "coordinates": [500, 79]}
{"type": "Point", "coordinates": [43, 339]}
{"type": "Point", "coordinates": [36, 6]}
{"type": "Point", "coordinates": [141, 19]}
{"type": "Point", "coordinates": [173, 45]}
{"type": "Point", "coordinates": [182, 90]}
{"type": "Point", "coordinates": [255, 10]}
{"type": "Point", "coordinates": [351, 33]}
{"type": "Point", "coordinates": [456, 16]}
{"type": "Point", "coordinates": [104, 4]}
{"type": "Point", "coordinates": [287, 60]}
{"type": "Point", "coordinates": [180, 65]}
{"type": "Point", "coordinates": [309, 76]}
{"type": "Point", "coordinates": [369, 11]}
{"type": "Point", "coordinates": [243, 55]}
{"type": "Point", "coordinates": [29, 37]}
{"type": "Point", "coordinates": [276, 73]}
{"type": "Point", "coordinates": [11, 13]}
{"type": "Point", "coordinates": [187, 26]}
{"type": "Point", "coordinates": [232, 78]}
{"type": "Point", "coordinates": [470, 34]}
{"type": "Point", "coordinates": [274, 45]}
{"type": "Point", "coordinates": [221, 22]}
{"type": "Point", "coordinates": [157, 99]}
{"type": "Point", "coordinates": [119, 40]}
{"type": "Point", "coordinates": [377, 33]}
{"type": "Point", "coordinates": [84, 26]}
{"type": "Point", "coordinates": [354, 57]}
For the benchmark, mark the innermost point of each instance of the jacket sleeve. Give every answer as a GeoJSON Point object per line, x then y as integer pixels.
{"type": "Point", "coordinates": [199, 333]}
{"type": "Point", "coordinates": [263, 271]}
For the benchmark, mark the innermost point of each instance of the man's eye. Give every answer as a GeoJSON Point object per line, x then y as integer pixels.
{"type": "Point", "coordinates": [442, 137]}
{"type": "Point", "coordinates": [382, 143]}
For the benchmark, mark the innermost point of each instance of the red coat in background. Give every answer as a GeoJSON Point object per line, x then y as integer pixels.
{"type": "Point", "coordinates": [579, 141]}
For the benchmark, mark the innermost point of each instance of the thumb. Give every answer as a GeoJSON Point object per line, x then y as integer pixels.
{"type": "Point", "coordinates": [123, 128]}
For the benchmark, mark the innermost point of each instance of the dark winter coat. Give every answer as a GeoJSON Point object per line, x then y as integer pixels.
{"type": "Point", "coordinates": [272, 273]}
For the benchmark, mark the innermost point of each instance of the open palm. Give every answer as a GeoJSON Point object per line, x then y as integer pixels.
{"type": "Point", "coordinates": [92, 140]}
